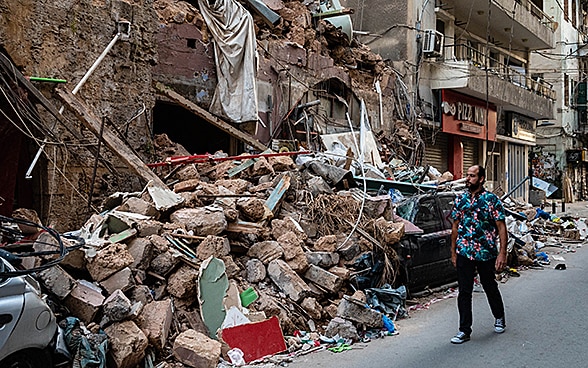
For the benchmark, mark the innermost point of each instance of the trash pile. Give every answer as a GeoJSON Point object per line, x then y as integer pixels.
{"type": "Point", "coordinates": [239, 254]}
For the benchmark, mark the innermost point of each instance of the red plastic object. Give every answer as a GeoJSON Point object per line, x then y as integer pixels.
{"type": "Point", "coordinates": [257, 339]}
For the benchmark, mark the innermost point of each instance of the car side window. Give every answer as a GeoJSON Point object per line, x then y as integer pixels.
{"type": "Point", "coordinates": [427, 216]}
{"type": "Point", "coordinates": [446, 206]}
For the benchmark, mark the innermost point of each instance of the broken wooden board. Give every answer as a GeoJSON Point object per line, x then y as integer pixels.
{"type": "Point", "coordinates": [278, 192]}
{"type": "Point", "coordinates": [213, 284]}
{"type": "Point", "coordinates": [217, 122]}
{"type": "Point", "coordinates": [256, 339]}
{"type": "Point", "coordinates": [245, 227]}
{"type": "Point", "coordinates": [93, 123]}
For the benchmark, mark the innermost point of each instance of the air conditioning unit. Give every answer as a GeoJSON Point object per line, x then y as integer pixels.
{"type": "Point", "coordinates": [432, 43]}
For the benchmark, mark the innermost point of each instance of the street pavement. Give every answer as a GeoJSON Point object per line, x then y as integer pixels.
{"type": "Point", "coordinates": [546, 319]}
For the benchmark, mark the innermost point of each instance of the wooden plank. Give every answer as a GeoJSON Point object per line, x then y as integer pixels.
{"type": "Point", "coordinates": [200, 112]}
{"type": "Point", "coordinates": [244, 165]}
{"type": "Point", "coordinates": [93, 123]}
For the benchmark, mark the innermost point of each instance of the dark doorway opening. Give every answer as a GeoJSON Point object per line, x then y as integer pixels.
{"type": "Point", "coordinates": [196, 135]}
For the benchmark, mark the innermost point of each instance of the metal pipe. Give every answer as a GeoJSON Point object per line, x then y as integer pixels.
{"type": "Point", "coordinates": [75, 90]}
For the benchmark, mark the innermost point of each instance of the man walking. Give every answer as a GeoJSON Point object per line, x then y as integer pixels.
{"type": "Point", "coordinates": [478, 218]}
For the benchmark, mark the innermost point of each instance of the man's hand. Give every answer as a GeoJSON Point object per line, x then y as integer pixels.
{"type": "Point", "coordinates": [454, 259]}
{"type": "Point", "coordinates": [500, 262]}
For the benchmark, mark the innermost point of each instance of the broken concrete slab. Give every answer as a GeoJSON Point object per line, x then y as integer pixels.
{"type": "Point", "coordinates": [213, 246]}
{"type": "Point", "coordinates": [252, 209]}
{"type": "Point", "coordinates": [326, 243]}
{"type": "Point", "coordinates": [141, 250]}
{"type": "Point", "coordinates": [322, 259]}
{"type": "Point", "coordinates": [122, 280]}
{"type": "Point", "coordinates": [266, 251]}
{"type": "Point", "coordinates": [109, 260]}
{"type": "Point", "coordinates": [155, 321]}
{"type": "Point", "coordinates": [186, 185]}
{"type": "Point", "coordinates": [358, 313]}
{"type": "Point", "coordinates": [163, 198]}
{"type": "Point", "coordinates": [165, 262]}
{"type": "Point", "coordinates": [312, 307]}
{"type": "Point", "coordinates": [212, 288]}
{"type": "Point", "coordinates": [324, 278]}
{"type": "Point", "coordinates": [57, 281]}
{"type": "Point", "coordinates": [287, 280]}
{"type": "Point", "coordinates": [146, 228]}
{"type": "Point", "coordinates": [138, 205]}
{"type": "Point", "coordinates": [127, 344]}
{"type": "Point", "coordinates": [280, 227]}
{"type": "Point", "coordinates": [291, 245]}
{"type": "Point", "coordinates": [203, 220]}
{"type": "Point", "coordinates": [342, 327]}
{"type": "Point", "coordinates": [196, 350]}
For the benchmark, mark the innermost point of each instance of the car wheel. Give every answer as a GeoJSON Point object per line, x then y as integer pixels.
{"type": "Point", "coordinates": [31, 358]}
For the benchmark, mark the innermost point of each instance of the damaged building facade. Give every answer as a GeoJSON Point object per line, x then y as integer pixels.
{"type": "Point", "coordinates": [470, 68]}
{"type": "Point", "coordinates": [310, 77]}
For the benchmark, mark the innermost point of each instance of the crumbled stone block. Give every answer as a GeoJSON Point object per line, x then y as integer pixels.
{"type": "Point", "coordinates": [342, 272]}
{"type": "Point", "coordinates": [115, 308]}
{"type": "Point", "coordinates": [323, 278]}
{"type": "Point", "coordinates": [183, 283]}
{"type": "Point", "coordinates": [155, 321]}
{"type": "Point", "coordinates": [287, 280]}
{"type": "Point", "coordinates": [146, 228]}
{"type": "Point", "coordinates": [256, 271]}
{"type": "Point", "coordinates": [322, 259]}
{"type": "Point", "coordinates": [349, 251]}
{"type": "Point", "coordinates": [215, 246]}
{"type": "Point", "coordinates": [197, 350]}
{"type": "Point", "coordinates": [165, 262]}
{"type": "Point", "coordinates": [326, 243]}
{"type": "Point", "coordinates": [109, 260]}
{"type": "Point", "coordinates": [85, 300]}
{"type": "Point", "coordinates": [343, 328]}
{"type": "Point", "coordinates": [138, 205]}
{"type": "Point", "coordinates": [141, 250]}
{"type": "Point", "coordinates": [312, 307]}
{"type": "Point", "coordinates": [122, 280]}
{"type": "Point", "coordinates": [252, 209]}
{"type": "Point", "coordinates": [127, 344]}
{"type": "Point", "coordinates": [203, 220]}
{"type": "Point", "coordinates": [186, 185]}
{"type": "Point", "coordinates": [266, 251]}
{"type": "Point", "coordinates": [57, 281]}
{"type": "Point", "coordinates": [358, 313]}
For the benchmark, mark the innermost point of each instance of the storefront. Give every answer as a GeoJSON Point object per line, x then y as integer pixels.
{"type": "Point", "coordinates": [520, 131]}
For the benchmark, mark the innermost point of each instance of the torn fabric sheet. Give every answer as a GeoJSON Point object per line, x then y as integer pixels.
{"type": "Point", "coordinates": [231, 26]}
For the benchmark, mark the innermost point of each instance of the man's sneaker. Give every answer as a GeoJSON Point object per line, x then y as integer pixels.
{"type": "Point", "coordinates": [460, 338]}
{"type": "Point", "coordinates": [499, 325]}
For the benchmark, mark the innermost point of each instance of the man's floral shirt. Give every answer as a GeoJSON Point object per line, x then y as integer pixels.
{"type": "Point", "coordinates": [477, 232]}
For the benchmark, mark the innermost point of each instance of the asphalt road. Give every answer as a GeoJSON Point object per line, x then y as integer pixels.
{"type": "Point", "coordinates": [547, 326]}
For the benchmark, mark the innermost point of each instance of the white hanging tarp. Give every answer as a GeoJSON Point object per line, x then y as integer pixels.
{"type": "Point", "coordinates": [231, 26]}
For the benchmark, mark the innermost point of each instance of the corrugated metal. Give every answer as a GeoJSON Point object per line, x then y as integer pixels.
{"type": "Point", "coordinates": [517, 169]}
{"type": "Point", "coordinates": [471, 152]}
{"type": "Point", "coordinates": [436, 154]}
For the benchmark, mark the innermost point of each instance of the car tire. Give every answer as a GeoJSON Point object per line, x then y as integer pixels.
{"type": "Point", "coordinates": [30, 358]}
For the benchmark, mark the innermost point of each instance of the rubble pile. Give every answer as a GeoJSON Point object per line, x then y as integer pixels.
{"type": "Point", "coordinates": [234, 244]}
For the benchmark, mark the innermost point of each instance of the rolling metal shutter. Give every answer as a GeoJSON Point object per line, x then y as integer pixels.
{"type": "Point", "coordinates": [471, 152]}
{"type": "Point", "coordinates": [436, 150]}
{"type": "Point", "coordinates": [517, 169]}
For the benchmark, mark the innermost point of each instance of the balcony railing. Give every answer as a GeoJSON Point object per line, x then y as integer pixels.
{"type": "Point", "coordinates": [464, 52]}
{"type": "Point", "coordinates": [545, 19]}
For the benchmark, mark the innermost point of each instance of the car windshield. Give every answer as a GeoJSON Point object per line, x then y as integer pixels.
{"type": "Point", "coordinates": [404, 209]}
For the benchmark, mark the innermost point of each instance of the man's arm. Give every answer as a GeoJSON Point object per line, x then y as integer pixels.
{"type": "Point", "coordinates": [503, 235]}
{"type": "Point", "coordinates": [454, 242]}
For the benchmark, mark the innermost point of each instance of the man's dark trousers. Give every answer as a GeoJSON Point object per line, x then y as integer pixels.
{"type": "Point", "coordinates": [466, 270]}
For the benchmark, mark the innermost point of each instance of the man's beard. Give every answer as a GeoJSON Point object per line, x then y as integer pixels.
{"type": "Point", "coordinates": [474, 187]}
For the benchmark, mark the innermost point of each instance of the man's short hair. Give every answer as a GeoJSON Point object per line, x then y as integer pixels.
{"type": "Point", "coordinates": [481, 171]}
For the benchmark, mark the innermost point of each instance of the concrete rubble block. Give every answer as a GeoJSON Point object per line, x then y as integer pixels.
{"type": "Point", "coordinates": [155, 321]}
{"type": "Point", "coordinates": [186, 185]}
{"type": "Point", "coordinates": [115, 308]}
{"type": "Point", "coordinates": [140, 294]}
{"type": "Point", "coordinates": [299, 263]}
{"type": "Point", "coordinates": [109, 260]}
{"type": "Point", "coordinates": [358, 313]}
{"type": "Point", "coordinates": [75, 259]}
{"type": "Point", "coordinates": [287, 280]}
{"type": "Point", "coordinates": [261, 167]}
{"type": "Point", "coordinates": [57, 281]}
{"type": "Point", "coordinates": [237, 186]}
{"type": "Point", "coordinates": [266, 251]}
{"type": "Point", "coordinates": [203, 221]}
{"type": "Point", "coordinates": [183, 283]}
{"type": "Point", "coordinates": [281, 163]}
{"type": "Point", "coordinates": [127, 344]}
{"type": "Point", "coordinates": [231, 214]}
{"type": "Point", "coordinates": [191, 200]}
{"type": "Point", "coordinates": [146, 228]}
{"type": "Point", "coordinates": [204, 192]}
{"type": "Point", "coordinates": [342, 272]}
{"type": "Point", "coordinates": [389, 231]}
{"type": "Point", "coordinates": [322, 259]}
{"type": "Point", "coordinates": [252, 209]}
{"type": "Point", "coordinates": [122, 280]}
{"type": "Point", "coordinates": [378, 206]}
{"type": "Point", "coordinates": [165, 262]}
{"type": "Point", "coordinates": [85, 300]}
{"type": "Point", "coordinates": [343, 328]}
{"type": "Point", "coordinates": [45, 242]}
{"type": "Point", "coordinates": [291, 245]}
{"type": "Point", "coordinates": [188, 172]}
{"type": "Point", "coordinates": [326, 243]}
{"type": "Point", "coordinates": [256, 271]}
{"type": "Point", "coordinates": [140, 206]}
{"type": "Point", "coordinates": [280, 227]}
{"type": "Point", "coordinates": [331, 309]}
{"type": "Point", "coordinates": [141, 250]}
{"type": "Point", "coordinates": [197, 350]}
{"type": "Point", "coordinates": [159, 243]}
{"type": "Point", "coordinates": [310, 228]}
{"type": "Point", "coordinates": [312, 307]}
{"type": "Point", "coordinates": [216, 246]}
{"type": "Point", "coordinates": [323, 278]}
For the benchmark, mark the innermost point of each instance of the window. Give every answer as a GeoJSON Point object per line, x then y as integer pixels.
{"type": "Point", "coordinates": [427, 216]}
{"type": "Point", "coordinates": [566, 87]}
